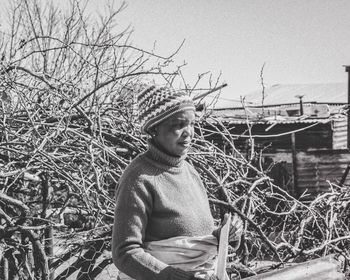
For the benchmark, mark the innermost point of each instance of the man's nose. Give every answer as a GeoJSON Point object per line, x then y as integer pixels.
{"type": "Point", "coordinates": [188, 130]}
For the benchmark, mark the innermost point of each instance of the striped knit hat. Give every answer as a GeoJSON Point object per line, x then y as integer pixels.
{"type": "Point", "coordinates": [157, 103]}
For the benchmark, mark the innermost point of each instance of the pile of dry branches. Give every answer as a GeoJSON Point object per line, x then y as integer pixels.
{"type": "Point", "coordinates": [68, 129]}
{"type": "Point", "coordinates": [278, 227]}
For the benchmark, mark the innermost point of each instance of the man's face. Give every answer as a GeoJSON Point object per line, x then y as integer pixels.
{"type": "Point", "coordinates": [174, 135]}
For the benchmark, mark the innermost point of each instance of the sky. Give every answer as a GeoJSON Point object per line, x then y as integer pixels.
{"type": "Point", "coordinates": [297, 41]}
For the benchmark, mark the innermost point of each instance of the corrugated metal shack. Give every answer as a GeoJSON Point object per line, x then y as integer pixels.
{"type": "Point", "coordinates": [306, 142]}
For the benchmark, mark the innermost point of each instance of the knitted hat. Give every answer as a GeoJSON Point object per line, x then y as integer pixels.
{"type": "Point", "coordinates": [159, 103]}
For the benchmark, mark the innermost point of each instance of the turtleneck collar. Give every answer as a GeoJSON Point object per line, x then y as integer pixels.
{"type": "Point", "coordinates": [163, 158]}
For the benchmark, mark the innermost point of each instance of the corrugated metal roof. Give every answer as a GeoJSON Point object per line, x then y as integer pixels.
{"type": "Point", "coordinates": [229, 116]}
{"type": "Point", "coordinates": [282, 94]}
{"type": "Point", "coordinates": [272, 121]}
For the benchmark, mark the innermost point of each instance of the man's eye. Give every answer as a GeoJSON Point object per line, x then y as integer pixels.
{"type": "Point", "coordinates": [178, 124]}
{"type": "Point", "coordinates": [182, 124]}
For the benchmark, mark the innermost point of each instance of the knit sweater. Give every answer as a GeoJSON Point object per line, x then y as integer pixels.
{"type": "Point", "coordinates": [158, 197]}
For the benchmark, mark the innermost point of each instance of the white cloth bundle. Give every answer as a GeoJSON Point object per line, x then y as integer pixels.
{"type": "Point", "coordinates": [195, 254]}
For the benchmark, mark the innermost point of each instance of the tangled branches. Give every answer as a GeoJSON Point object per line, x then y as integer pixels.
{"type": "Point", "coordinates": [67, 131]}
{"type": "Point", "coordinates": [278, 226]}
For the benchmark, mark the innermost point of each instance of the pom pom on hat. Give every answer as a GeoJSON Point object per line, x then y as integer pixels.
{"type": "Point", "coordinates": [157, 103]}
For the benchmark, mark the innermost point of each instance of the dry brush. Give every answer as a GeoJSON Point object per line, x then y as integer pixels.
{"type": "Point", "coordinates": [68, 129]}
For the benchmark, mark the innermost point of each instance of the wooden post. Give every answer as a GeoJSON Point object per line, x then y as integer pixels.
{"type": "Point", "coordinates": [343, 178]}
{"type": "Point", "coordinates": [48, 231]}
{"type": "Point", "coordinates": [347, 69]}
{"type": "Point", "coordinates": [49, 249]}
{"type": "Point", "coordinates": [295, 167]}
{"type": "Point", "coordinates": [5, 269]}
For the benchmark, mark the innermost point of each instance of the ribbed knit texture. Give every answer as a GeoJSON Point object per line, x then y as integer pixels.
{"type": "Point", "coordinates": [156, 104]}
{"type": "Point", "coordinates": [158, 197]}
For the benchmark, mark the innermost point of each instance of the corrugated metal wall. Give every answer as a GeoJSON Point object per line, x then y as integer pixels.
{"type": "Point", "coordinates": [340, 133]}
{"type": "Point", "coordinates": [315, 168]}
{"type": "Point", "coordinates": [321, 153]}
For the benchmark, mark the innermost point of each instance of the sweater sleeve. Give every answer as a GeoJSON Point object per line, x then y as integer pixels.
{"type": "Point", "coordinates": [133, 207]}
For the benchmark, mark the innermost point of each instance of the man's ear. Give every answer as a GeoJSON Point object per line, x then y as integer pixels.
{"type": "Point", "coordinates": [153, 131]}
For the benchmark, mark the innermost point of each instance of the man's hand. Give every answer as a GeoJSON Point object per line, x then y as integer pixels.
{"type": "Point", "coordinates": [207, 277]}
{"type": "Point", "coordinates": [211, 277]}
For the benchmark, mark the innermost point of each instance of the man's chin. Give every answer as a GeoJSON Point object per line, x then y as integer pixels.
{"type": "Point", "coordinates": [182, 152]}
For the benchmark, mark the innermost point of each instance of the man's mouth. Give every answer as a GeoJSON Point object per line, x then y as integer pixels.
{"type": "Point", "coordinates": [185, 143]}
